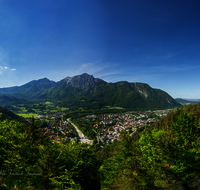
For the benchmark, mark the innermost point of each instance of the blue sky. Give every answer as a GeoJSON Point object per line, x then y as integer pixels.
{"type": "Point", "coordinates": [151, 41]}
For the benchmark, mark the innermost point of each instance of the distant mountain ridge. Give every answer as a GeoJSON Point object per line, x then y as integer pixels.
{"type": "Point", "coordinates": [187, 101]}
{"type": "Point", "coordinates": [29, 90]}
{"type": "Point", "coordinates": [88, 92]}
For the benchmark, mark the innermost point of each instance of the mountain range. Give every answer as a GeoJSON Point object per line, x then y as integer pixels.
{"type": "Point", "coordinates": [88, 92]}
{"type": "Point", "coordinates": [187, 101]}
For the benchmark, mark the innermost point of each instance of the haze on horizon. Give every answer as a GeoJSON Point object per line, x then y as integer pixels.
{"type": "Point", "coordinates": [154, 42]}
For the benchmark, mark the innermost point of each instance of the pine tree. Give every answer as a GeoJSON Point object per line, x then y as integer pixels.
{"type": "Point", "coordinates": [34, 132]}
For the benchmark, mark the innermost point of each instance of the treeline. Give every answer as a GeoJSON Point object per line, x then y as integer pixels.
{"type": "Point", "coordinates": [161, 156]}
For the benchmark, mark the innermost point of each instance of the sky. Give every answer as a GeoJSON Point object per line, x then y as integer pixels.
{"type": "Point", "coordinates": [150, 41]}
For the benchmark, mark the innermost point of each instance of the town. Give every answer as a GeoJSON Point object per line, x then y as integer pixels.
{"type": "Point", "coordinates": [105, 128]}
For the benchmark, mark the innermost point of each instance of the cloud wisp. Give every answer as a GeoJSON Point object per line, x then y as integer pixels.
{"type": "Point", "coordinates": [6, 69]}
{"type": "Point", "coordinates": [173, 69]}
{"type": "Point", "coordinates": [94, 68]}
{"type": "Point", "coordinates": [97, 69]}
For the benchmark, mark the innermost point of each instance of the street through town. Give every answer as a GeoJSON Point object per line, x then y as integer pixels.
{"type": "Point", "coordinates": [82, 137]}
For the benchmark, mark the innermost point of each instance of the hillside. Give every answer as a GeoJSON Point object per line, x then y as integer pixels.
{"type": "Point", "coordinates": [30, 90]}
{"type": "Point", "coordinates": [163, 156]}
{"type": "Point", "coordinates": [88, 92]}
{"type": "Point", "coordinates": [7, 100]}
{"type": "Point", "coordinates": [5, 114]}
{"type": "Point", "coordinates": [132, 95]}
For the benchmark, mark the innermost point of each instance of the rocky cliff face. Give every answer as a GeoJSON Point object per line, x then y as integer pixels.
{"type": "Point", "coordinates": [83, 81]}
{"type": "Point", "coordinates": [155, 95]}
{"type": "Point", "coordinates": [143, 89]}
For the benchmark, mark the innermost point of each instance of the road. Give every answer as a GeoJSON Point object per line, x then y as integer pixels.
{"type": "Point", "coordinates": [82, 137]}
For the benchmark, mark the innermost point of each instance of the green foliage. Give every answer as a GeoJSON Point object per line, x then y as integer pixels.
{"type": "Point", "coordinates": [121, 170]}
{"type": "Point", "coordinates": [161, 156]}
{"type": "Point", "coordinates": [64, 181]}
{"type": "Point", "coordinates": [6, 114]}
{"type": "Point", "coordinates": [7, 100]}
{"type": "Point", "coordinates": [33, 132]}
{"type": "Point", "coordinates": [17, 156]}
{"type": "Point", "coordinates": [186, 134]}
{"type": "Point", "coordinates": [43, 164]}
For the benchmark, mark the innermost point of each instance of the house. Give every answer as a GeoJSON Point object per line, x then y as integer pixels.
{"type": "Point", "coordinates": [96, 125]}
{"type": "Point", "coordinates": [109, 132]}
{"type": "Point", "coordinates": [63, 132]}
{"type": "Point", "coordinates": [92, 116]}
{"type": "Point", "coordinates": [54, 138]}
{"type": "Point", "coordinates": [107, 122]}
{"type": "Point", "coordinates": [49, 133]}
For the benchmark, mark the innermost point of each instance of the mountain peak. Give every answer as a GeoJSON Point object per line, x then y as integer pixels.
{"type": "Point", "coordinates": [86, 74]}
{"type": "Point", "coordinates": [83, 81]}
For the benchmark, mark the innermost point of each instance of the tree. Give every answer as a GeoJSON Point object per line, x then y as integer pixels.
{"type": "Point", "coordinates": [121, 170]}
{"type": "Point", "coordinates": [94, 141]}
{"type": "Point", "coordinates": [18, 157]}
{"type": "Point", "coordinates": [186, 134]}
{"type": "Point", "coordinates": [34, 132]}
{"type": "Point", "coordinates": [172, 155]}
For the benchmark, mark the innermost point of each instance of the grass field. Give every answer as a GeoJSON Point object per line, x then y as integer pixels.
{"type": "Point", "coordinates": [64, 109]}
{"type": "Point", "coordinates": [48, 103]}
{"type": "Point", "coordinates": [118, 108]}
{"type": "Point", "coordinates": [27, 115]}
{"type": "Point", "coordinates": [112, 107]}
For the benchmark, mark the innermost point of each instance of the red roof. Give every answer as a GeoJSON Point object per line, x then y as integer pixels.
{"type": "Point", "coordinates": [55, 138]}
{"type": "Point", "coordinates": [110, 131]}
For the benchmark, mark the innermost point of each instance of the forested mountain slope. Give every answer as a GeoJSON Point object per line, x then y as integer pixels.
{"type": "Point", "coordinates": [9, 100]}
{"type": "Point", "coordinates": [5, 114]}
{"type": "Point", "coordinates": [132, 95]}
{"type": "Point", "coordinates": [30, 90]}
{"type": "Point", "coordinates": [88, 92]}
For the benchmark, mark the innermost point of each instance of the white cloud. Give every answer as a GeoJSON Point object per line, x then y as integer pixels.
{"type": "Point", "coordinates": [95, 68]}
{"type": "Point", "coordinates": [6, 70]}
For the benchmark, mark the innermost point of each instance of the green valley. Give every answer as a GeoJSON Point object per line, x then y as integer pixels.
{"type": "Point", "coordinates": [85, 133]}
{"type": "Point", "coordinates": [130, 150]}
